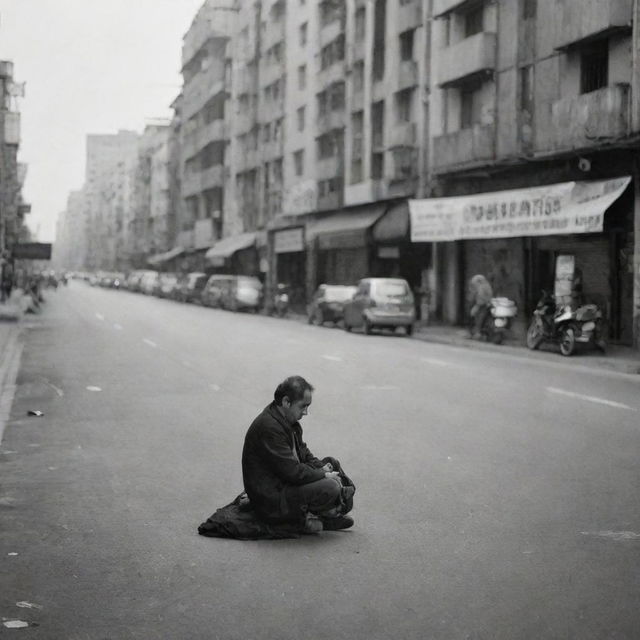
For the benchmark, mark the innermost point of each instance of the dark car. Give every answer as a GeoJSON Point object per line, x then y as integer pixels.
{"type": "Point", "coordinates": [190, 287]}
{"type": "Point", "coordinates": [327, 304]}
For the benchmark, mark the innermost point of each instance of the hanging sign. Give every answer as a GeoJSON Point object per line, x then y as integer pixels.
{"type": "Point", "coordinates": [565, 208]}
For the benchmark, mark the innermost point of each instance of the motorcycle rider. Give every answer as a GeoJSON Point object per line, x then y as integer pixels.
{"type": "Point", "coordinates": [479, 297]}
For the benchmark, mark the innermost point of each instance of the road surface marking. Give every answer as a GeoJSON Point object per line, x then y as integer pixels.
{"type": "Point", "coordinates": [151, 343]}
{"type": "Point", "coordinates": [438, 363]}
{"type": "Point", "coordinates": [15, 624]}
{"type": "Point", "coordinates": [12, 553]}
{"type": "Point", "coordinates": [333, 358]}
{"type": "Point", "coordinates": [117, 327]}
{"type": "Point", "coordinates": [23, 604]}
{"type": "Point", "coordinates": [92, 388]}
{"type": "Point", "coordinates": [373, 387]}
{"type": "Point", "coordinates": [215, 387]}
{"type": "Point", "coordinates": [99, 316]}
{"type": "Point", "coordinates": [580, 396]}
{"type": "Point", "coordinates": [59, 391]}
{"type": "Point", "coordinates": [613, 535]}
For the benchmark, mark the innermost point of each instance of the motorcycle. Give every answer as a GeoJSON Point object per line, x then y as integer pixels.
{"type": "Point", "coordinates": [498, 319]}
{"type": "Point", "coordinates": [281, 300]}
{"type": "Point", "coordinates": [565, 325]}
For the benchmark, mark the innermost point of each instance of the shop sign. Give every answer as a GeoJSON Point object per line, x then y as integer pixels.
{"type": "Point", "coordinates": [566, 208]}
{"type": "Point", "coordinates": [289, 240]}
{"type": "Point", "coordinates": [32, 251]}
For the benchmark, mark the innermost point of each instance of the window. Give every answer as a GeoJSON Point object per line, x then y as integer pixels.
{"type": "Point", "coordinates": [473, 21]}
{"type": "Point", "coordinates": [379, 38]}
{"type": "Point", "coordinates": [266, 133]}
{"type": "Point", "coordinates": [298, 161]}
{"type": "Point", "coordinates": [300, 114]}
{"type": "Point", "coordinates": [406, 45]}
{"type": "Point", "coordinates": [357, 129]}
{"type": "Point", "coordinates": [404, 105]}
{"type": "Point", "coordinates": [529, 9]}
{"type": "Point", "coordinates": [526, 89]}
{"type": "Point", "coordinates": [377, 123]}
{"type": "Point", "coordinates": [323, 103]}
{"type": "Point", "coordinates": [358, 76]}
{"type": "Point", "coordinates": [330, 11]}
{"type": "Point", "coordinates": [303, 34]}
{"type": "Point", "coordinates": [470, 105]}
{"type": "Point", "coordinates": [360, 24]}
{"type": "Point", "coordinates": [302, 76]}
{"type": "Point", "coordinates": [332, 52]}
{"type": "Point", "coordinates": [594, 67]}
{"type": "Point", "coordinates": [336, 96]}
{"type": "Point", "coordinates": [377, 165]}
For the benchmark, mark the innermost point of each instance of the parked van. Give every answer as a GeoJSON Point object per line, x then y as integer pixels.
{"type": "Point", "coordinates": [379, 303]}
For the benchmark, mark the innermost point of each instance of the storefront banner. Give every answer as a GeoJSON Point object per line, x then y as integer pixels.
{"type": "Point", "coordinates": [289, 240]}
{"type": "Point", "coordinates": [565, 208]}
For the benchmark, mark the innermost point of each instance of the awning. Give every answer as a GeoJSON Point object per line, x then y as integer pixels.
{"type": "Point", "coordinates": [394, 224]}
{"type": "Point", "coordinates": [346, 229]}
{"type": "Point", "coordinates": [226, 247]}
{"type": "Point", "coordinates": [159, 258]}
{"type": "Point", "coordinates": [555, 209]}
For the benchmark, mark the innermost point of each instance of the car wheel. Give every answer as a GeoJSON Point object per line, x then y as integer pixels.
{"type": "Point", "coordinates": [318, 318]}
{"type": "Point", "coordinates": [409, 329]}
{"type": "Point", "coordinates": [567, 342]}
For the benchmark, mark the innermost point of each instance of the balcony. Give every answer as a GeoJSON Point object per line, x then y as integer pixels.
{"type": "Point", "coordinates": [403, 134]}
{"type": "Point", "coordinates": [464, 148]}
{"type": "Point", "coordinates": [470, 57]}
{"type": "Point", "coordinates": [196, 94]}
{"type": "Point", "coordinates": [584, 121]}
{"type": "Point", "coordinates": [334, 73]}
{"type": "Point", "coordinates": [212, 177]}
{"type": "Point", "coordinates": [330, 201]}
{"type": "Point", "coordinates": [272, 149]}
{"type": "Point", "coordinates": [11, 128]}
{"type": "Point", "coordinates": [587, 20]}
{"type": "Point", "coordinates": [442, 7]}
{"type": "Point", "coordinates": [409, 16]}
{"type": "Point", "coordinates": [274, 33]}
{"type": "Point", "coordinates": [191, 184]}
{"type": "Point", "coordinates": [357, 101]}
{"type": "Point", "coordinates": [407, 74]}
{"type": "Point", "coordinates": [358, 50]}
{"type": "Point", "coordinates": [202, 136]}
{"type": "Point", "coordinates": [328, 168]}
{"type": "Point", "coordinates": [330, 32]}
{"type": "Point", "coordinates": [271, 72]}
{"type": "Point", "coordinates": [332, 120]}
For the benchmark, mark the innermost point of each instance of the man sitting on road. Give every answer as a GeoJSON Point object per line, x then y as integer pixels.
{"type": "Point", "coordinates": [284, 481]}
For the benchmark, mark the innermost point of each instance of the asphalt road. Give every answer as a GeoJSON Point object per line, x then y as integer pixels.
{"type": "Point", "coordinates": [497, 496]}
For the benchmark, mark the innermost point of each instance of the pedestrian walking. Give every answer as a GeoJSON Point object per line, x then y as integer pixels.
{"type": "Point", "coordinates": [479, 297]}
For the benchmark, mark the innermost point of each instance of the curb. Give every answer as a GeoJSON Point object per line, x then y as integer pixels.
{"type": "Point", "coordinates": [9, 366]}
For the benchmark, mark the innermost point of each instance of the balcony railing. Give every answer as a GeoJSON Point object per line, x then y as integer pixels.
{"type": "Point", "coordinates": [589, 19]}
{"type": "Point", "coordinates": [440, 7]}
{"type": "Point", "coordinates": [592, 118]}
{"type": "Point", "coordinates": [409, 15]}
{"type": "Point", "coordinates": [332, 120]}
{"type": "Point", "coordinates": [467, 147]}
{"type": "Point", "coordinates": [212, 177]}
{"type": "Point", "coordinates": [469, 57]}
{"type": "Point", "coordinates": [403, 135]}
{"type": "Point", "coordinates": [407, 74]}
{"type": "Point", "coordinates": [328, 168]}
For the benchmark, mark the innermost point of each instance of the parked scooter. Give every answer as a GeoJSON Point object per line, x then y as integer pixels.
{"type": "Point", "coordinates": [565, 325]}
{"type": "Point", "coordinates": [281, 300]}
{"type": "Point", "coordinates": [498, 319]}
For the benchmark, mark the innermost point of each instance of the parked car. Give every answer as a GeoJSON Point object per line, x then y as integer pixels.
{"type": "Point", "coordinates": [244, 293]}
{"type": "Point", "coordinates": [190, 287]}
{"type": "Point", "coordinates": [148, 282]}
{"type": "Point", "coordinates": [214, 289]}
{"type": "Point", "coordinates": [381, 303]}
{"type": "Point", "coordinates": [327, 304]}
{"type": "Point", "coordinates": [166, 285]}
{"type": "Point", "coordinates": [117, 280]}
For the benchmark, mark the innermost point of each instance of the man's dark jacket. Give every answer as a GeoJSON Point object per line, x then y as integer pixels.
{"type": "Point", "coordinates": [270, 465]}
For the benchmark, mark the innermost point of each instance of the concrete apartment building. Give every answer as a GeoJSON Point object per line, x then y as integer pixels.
{"type": "Point", "coordinates": [70, 247]}
{"type": "Point", "coordinates": [532, 94]}
{"type": "Point", "coordinates": [104, 155]}
{"type": "Point", "coordinates": [203, 132]}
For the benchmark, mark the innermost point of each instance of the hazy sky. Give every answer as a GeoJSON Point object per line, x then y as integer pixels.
{"type": "Point", "coordinates": [90, 66]}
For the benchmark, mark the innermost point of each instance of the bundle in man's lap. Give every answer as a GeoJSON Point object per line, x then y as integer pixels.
{"type": "Point", "coordinates": [288, 491]}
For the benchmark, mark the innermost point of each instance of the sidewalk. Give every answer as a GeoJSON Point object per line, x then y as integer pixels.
{"type": "Point", "coordinates": [617, 358]}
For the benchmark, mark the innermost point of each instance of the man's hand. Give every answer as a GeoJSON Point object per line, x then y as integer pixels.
{"type": "Point", "coordinates": [328, 467]}
{"type": "Point", "coordinates": [332, 474]}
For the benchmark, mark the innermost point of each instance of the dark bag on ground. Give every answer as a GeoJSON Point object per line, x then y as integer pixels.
{"type": "Point", "coordinates": [238, 519]}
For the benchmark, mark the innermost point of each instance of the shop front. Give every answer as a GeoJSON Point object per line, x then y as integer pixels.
{"type": "Point", "coordinates": [290, 264]}
{"type": "Point", "coordinates": [517, 238]}
{"type": "Point", "coordinates": [238, 255]}
{"type": "Point", "coordinates": [340, 248]}
{"type": "Point", "coordinates": [168, 260]}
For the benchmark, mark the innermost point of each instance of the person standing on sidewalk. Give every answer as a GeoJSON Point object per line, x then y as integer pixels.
{"type": "Point", "coordinates": [284, 481]}
{"type": "Point", "coordinates": [480, 294]}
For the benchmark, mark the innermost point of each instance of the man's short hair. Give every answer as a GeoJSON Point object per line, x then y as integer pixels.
{"type": "Point", "coordinates": [293, 387]}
